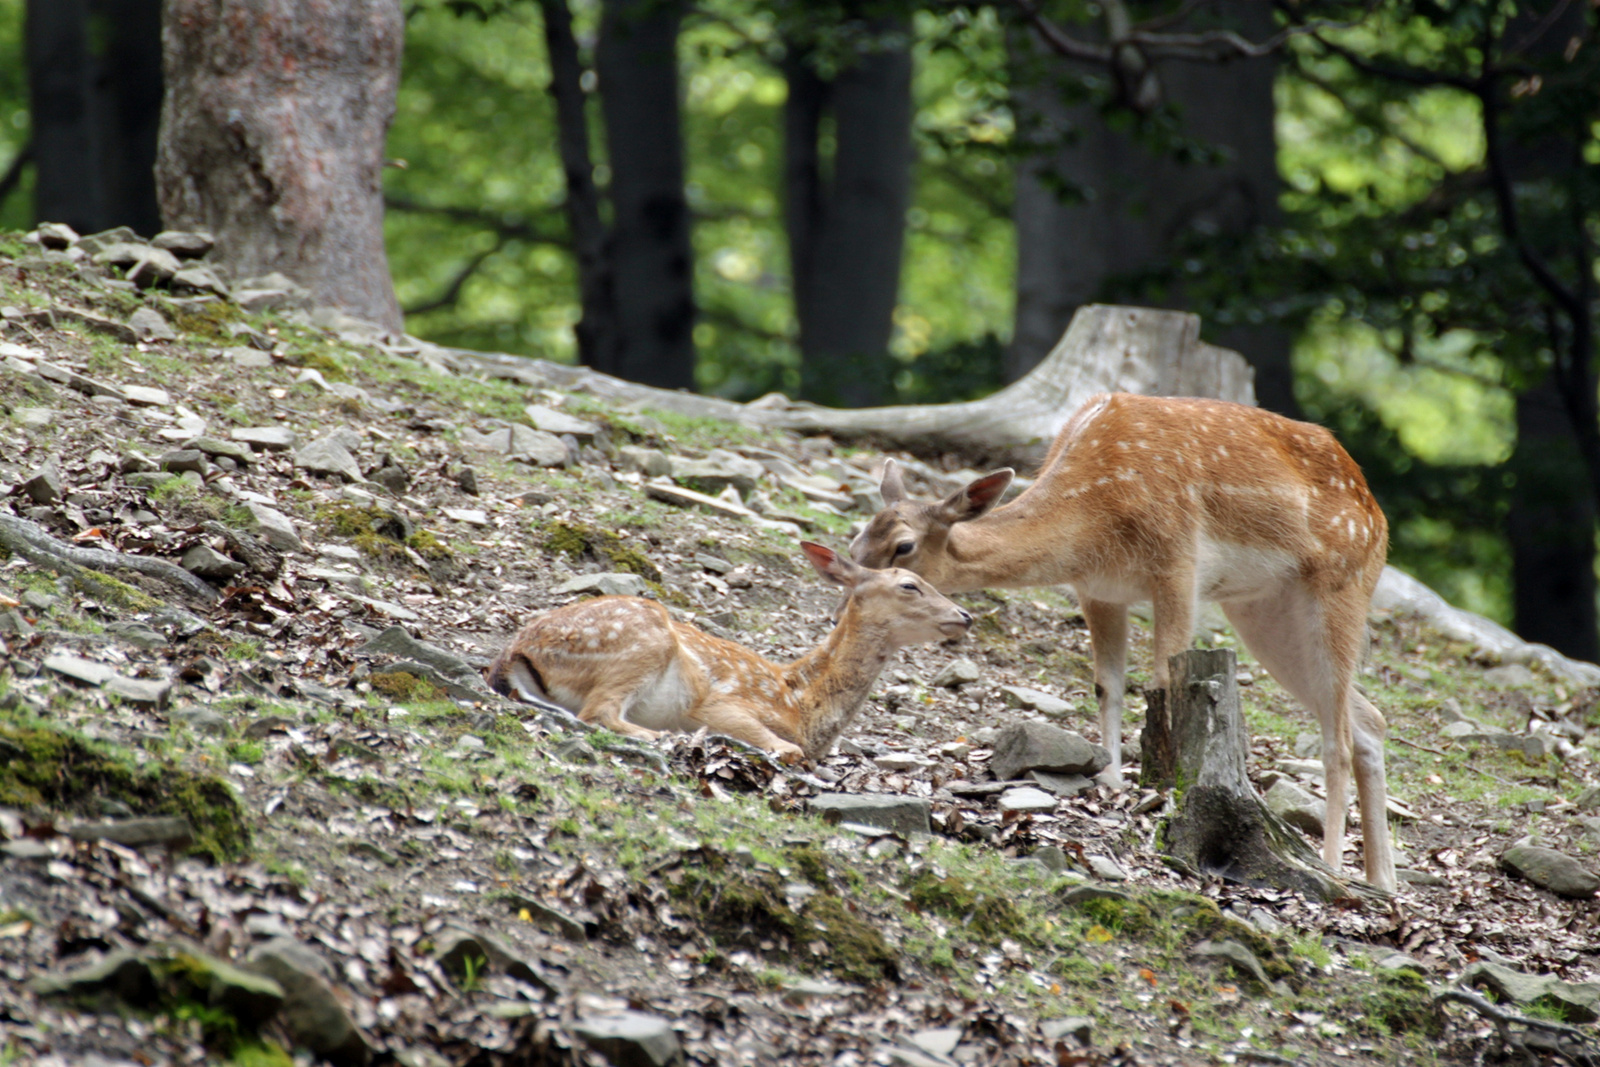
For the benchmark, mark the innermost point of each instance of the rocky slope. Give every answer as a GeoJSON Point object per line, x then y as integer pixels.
{"type": "Point", "coordinates": [254, 798]}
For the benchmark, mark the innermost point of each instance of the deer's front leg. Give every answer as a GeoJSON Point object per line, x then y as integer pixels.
{"type": "Point", "coordinates": [737, 719]}
{"type": "Point", "coordinates": [1108, 640]}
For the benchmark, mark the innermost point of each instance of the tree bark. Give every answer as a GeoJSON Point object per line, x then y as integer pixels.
{"type": "Point", "coordinates": [1138, 205]}
{"type": "Point", "coordinates": [1222, 826]}
{"type": "Point", "coordinates": [847, 231]}
{"type": "Point", "coordinates": [1552, 530]}
{"type": "Point", "coordinates": [272, 138]}
{"type": "Point", "coordinates": [649, 250]}
{"type": "Point", "coordinates": [595, 330]}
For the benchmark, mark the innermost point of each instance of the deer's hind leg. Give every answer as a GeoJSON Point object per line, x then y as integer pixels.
{"type": "Point", "coordinates": [1311, 646]}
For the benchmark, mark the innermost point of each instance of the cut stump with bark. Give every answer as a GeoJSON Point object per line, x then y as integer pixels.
{"type": "Point", "coordinates": [1222, 826]}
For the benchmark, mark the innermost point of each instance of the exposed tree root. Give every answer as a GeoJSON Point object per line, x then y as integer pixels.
{"type": "Point", "coordinates": [91, 569]}
{"type": "Point", "coordinates": [1538, 1039]}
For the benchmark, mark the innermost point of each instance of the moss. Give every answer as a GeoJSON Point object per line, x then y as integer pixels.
{"type": "Point", "coordinates": [735, 905]}
{"type": "Point", "coordinates": [208, 320]}
{"type": "Point", "coordinates": [1129, 917]}
{"type": "Point", "coordinates": [317, 359]}
{"type": "Point", "coordinates": [812, 863]}
{"type": "Point", "coordinates": [426, 544]}
{"type": "Point", "coordinates": [377, 547]}
{"type": "Point", "coordinates": [52, 769]}
{"type": "Point", "coordinates": [404, 687]}
{"type": "Point", "coordinates": [1400, 1002]}
{"type": "Point", "coordinates": [580, 541]}
{"type": "Point", "coordinates": [983, 914]}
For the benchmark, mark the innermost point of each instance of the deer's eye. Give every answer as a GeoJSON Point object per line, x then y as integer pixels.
{"type": "Point", "coordinates": [911, 587]}
{"type": "Point", "coordinates": [905, 548]}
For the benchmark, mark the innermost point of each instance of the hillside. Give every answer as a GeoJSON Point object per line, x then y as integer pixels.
{"type": "Point", "coordinates": [480, 883]}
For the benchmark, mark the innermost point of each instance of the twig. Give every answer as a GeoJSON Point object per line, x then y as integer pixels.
{"type": "Point", "coordinates": [452, 291]}
{"type": "Point", "coordinates": [1446, 755]}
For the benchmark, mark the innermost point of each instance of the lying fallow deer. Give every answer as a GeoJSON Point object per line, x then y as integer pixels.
{"type": "Point", "coordinates": [1173, 501]}
{"type": "Point", "coordinates": [624, 663]}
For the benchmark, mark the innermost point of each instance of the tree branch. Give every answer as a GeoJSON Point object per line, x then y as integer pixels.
{"type": "Point", "coordinates": [452, 291]}
{"type": "Point", "coordinates": [510, 228]}
{"type": "Point", "coordinates": [13, 175]}
{"type": "Point", "coordinates": [723, 317]}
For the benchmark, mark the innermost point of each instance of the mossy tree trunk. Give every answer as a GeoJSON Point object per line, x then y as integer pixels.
{"type": "Point", "coordinates": [1222, 826]}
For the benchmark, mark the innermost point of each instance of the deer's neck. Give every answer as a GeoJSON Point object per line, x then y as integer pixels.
{"type": "Point", "coordinates": [1028, 542]}
{"type": "Point", "coordinates": [831, 682]}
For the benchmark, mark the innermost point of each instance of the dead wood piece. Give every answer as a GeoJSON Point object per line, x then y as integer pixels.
{"type": "Point", "coordinates": [1569, 1041]}
{"type": "Point", "coordinates": [1222, 826]}
{"type": "Point", "coordinates": [30, 541]}
{"type": "Point", "coordinates": [1105, 349]}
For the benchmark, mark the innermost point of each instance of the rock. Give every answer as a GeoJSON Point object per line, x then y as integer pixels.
{"type": "Point", "coordinates": [148, 479]}
{"type": "Point", "coordinates": [206, 562]}
{"type": "Point", "coordinates": [151, 325]}
{"type": "Point", "coordinates": [1027, 800]}
{"type": "Point", "coordinates": [185, 244]}
{"type": "Point", "coordinates": [1297, 807]}
{"type": "Point", "coordinates": [456, 947]}
{"type": "Point", "coordinates": [120, 974]}
{"type": "Point", "coordinates": [1460, 730]}
{"type": "Point", "coordinates": [79, 669]}
{"type": "Point", "coordinates": [1576, 1002]}
{"type": "Point", "coordinates": [1549, 869]}
{"type": "Point", "coordinates": [270, 292]}
{"type": "Point", "coordinates": [1510, 676]}
{"type": "Point", "coordinates": [171, 831]}
{"type": "Point", "coordinates": [1107, 868]}
{"type": "Point", "coordinates": [198, 278]}
{"type": "Point", "coordinates": [956, 673]}
{"type": "Point", "coordinates": [614, 583]}
{"type": "Point", "coordinates": [1424, 878]}
{"type": "Point", "coordinates": [649, 462]}
{"type": "Point", "coordinates": [717, 472]}
{"type": "Point", "coordinates": [397, 641]}
{"type": "Point", "coordinates": [273, 527]}
{"type": "Point", "coordinates": [328, 455]}
{"type": "Point", "coordinates": [35, 418]}
{"type": "Point", "coordinates": [1243, 960]}
{"type": "Point", "coordinates": [153, 691]}
{"type": "Point", "coordinates": [1078, 1026]}
{"type": "Point", "coordinates": [1062, 785]}
{"type": "Point", "coordinates": [903, 815]}
{"type": "Point", "coordinates": [631, 1038]}
{"type": "Point", "coordinates": [1030, 746]}
{"type": "Point", "coordinates": [95, 242]}
{"type": "Point", "coordinates": [137, 634]}
{"type": "Point", "coordinates": [467, 481]}
{"type": "Point", "coordinates": [13, 622]}
{"type": "Point", "coordinates": [395, 479]}
{"type": "Point", "coordinates": [311, 1011]}
{"type": "Point", "coordinates": [550, 420]}
{"type": "Point", "coordinates": [38, 599]}
{"type": "Point", "coordinates": [185, 459]}
{"type": "Point", "coordinates": [551, 920]}
{"type": "Point", "coordinates": [211, 446]}
{"type": "Point", "coordinates": [245, 357]}
{"type": "Point", "coordinates": [470, 516]}
{"type": "Point", "coordinates": [202, 720]}
{"type": "Point", "coordinates": [937, 1042]}
{"type": "Point", "coordinates": [56, 235]}
{"type": "Point", "coordinates": [536, 447]}
{"type": "Point", "coordinates": [1589, 799]}
{"type": "Point", "coordinates": [1034, 700]}
{"type": "Point", "coordinates": [265, 438]}
{"type": "Point", "coordinates": [145, 264]}
{"type": "Point", "coordinates": [146, 396]}
{"type": "Point", "coordinates": [1051, 858]}
{"type": "Point", "coordinates": [668, 493]}
{"type": "Point", "coordinates": [44, 487]}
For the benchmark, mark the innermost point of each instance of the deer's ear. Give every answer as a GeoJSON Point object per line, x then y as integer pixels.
{"type": "Point", "coordinates": [840, 570]}
{"type": "Point", "coordinates": [892, 488]}
{"type": "Point", "coordinates": [977, 497]}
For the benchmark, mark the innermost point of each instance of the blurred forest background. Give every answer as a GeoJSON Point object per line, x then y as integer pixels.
{"type": "Point", "coordinates": [1388, 206]}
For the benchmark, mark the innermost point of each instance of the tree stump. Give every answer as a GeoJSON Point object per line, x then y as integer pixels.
{"type": "Point", "coordinates": [1222, 826]}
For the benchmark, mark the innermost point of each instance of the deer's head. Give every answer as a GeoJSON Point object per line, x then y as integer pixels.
{"type": "Point", "coordinates": [913, 535]}
{"type": "Point", "coordinates": [894, 602]}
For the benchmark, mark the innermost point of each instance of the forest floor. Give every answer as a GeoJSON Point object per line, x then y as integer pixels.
{"type": "Point", "coordinates": [471, 882]}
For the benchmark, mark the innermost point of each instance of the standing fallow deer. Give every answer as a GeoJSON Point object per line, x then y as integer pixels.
{"type": "Point", "coordinates": [1173, 501]}
{"type": "Point", "coordinates": [626, 664]}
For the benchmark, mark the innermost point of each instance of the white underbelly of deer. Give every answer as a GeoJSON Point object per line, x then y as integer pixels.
{"type": "Point", "coordinates": [1226, 571]}
{"type": "Point", "coordinates": [663, 702]}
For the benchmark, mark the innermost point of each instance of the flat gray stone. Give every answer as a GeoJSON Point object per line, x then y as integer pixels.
{"type": "Point", "coordinates": [1243, 960]}
{"type": "Point", "coordinates": [199, 278]}
{"type": "Point", "coordinates": [151, 325]}
{"type": "Point", "coordinates": [120, 972]}
{"type": "Point", "coordinates": [185, 459]}
{"type": "Point", "coordinates": [537, 447]}
{"type": "Point", "coordinates": [1549, 869]}
{"type": "Point", "coordinates": [202, 720]}
{"type": "Point", "coordinates": [203, 561]}
{"type": "Point", "coordinates": [614, 583]}
{"type": "Point", "coordinates": [146, 396]}
{"type": "Point", "coordinates": [715, 474]}
{"type": "Point", "coordinates": [1034, 700]}
{"type": "Point", "coordinates": [1107, 868]}
{"type": "Point", "coordinates": [1078, 1026]}
{"type": "Point", "coordinates": [1297, 807]}
{"type": "Point", "coordinates": [56, 235]}
{"type": "Point", "coordinates": [44, 486]}
{"type": "Point", "coordinates": [212, 446]}
{"type": "Point", "coordinates": [79, 669]}
{"type": "Point", "coordinates": [328, 455]}
{"type": "Point", "coordinates": [1037, 746]}
{"type": "Point", "coordinates": [1510, 676]}
{"type": "Point", "coordinates": [273, 527]}
{"type": "Point", "coordinates": [559, 422]}
{"type": "Point", "coordinates": [940, 1041]}
{"type": "Point", "coordinates": [311, 1011]}
{"type": "Point", "coordinates": [397, 641]}
{"type": "Point", "coordinates": [265, 438]}
{"type": "Point", "coordinates": [631, 1038]}
{"type": "Point", "coordinates": [1577, 1002]}
{"type": "Point", "coordinates": [903, 815]}
{"type": "Point", "coordinates": [668, 493]}
{"type": "Point", "coordinates": [171, 831]}
{"type": "Point", "coordinates": [1027, 800]}
{"type": "Point", "coordinates": [153, 691]}
{"type": "Point", "coordinates": [186, 244]}
{"type": "Point", "coordinates": [650, 462]}
{"type": "Point", "coordinates": [956, 673]}
{"type": "Point", "coordinates": [1062, 785]}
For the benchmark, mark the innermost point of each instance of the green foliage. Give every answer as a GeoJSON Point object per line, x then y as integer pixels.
{"type": "Point", "coordinates": [984, 914]}
{"type": "Point", "coordinates": [581, 541]}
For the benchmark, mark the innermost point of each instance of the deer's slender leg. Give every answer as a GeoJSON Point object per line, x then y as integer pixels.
{"type": "Point", "coordinates": [1108, 640]}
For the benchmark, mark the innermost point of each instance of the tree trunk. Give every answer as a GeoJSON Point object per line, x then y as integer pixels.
{"type": "Point", "coordinates": [272, 138]}
{"type": "Point", "coordinates": [596, 329]}
{"type": "Point", "coordinates": [126, 110]}
{"type": "Point", "coordinates": [847, 231]}
{"type": "Point", "coordinates": [56, 43]}
{"type": "Point", "coordinates": [1552, 530]}
{"type": "Point", "coordinates": [1140, 205]}
{"type": "Point", "coordinates": [651, 260]}
{"type": "Point", "coordinates": [1222, 826]}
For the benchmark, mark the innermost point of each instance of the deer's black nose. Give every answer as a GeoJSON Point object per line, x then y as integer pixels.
{"type": "Point", "coordinates": [966, 616]}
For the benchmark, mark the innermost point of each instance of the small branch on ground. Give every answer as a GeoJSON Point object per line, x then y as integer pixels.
{"type": "Point", "coordinates": [90, 568]}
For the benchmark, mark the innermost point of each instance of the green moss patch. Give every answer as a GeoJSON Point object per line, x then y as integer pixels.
{"type": "Point", "coordinates": [403, 686]}
{"type": "Point", "coordinates": [209, 320]}
{"type": "Point", "coordinates": [983, 914]}
{"type": "Point", "coordinates": [583, 542]}
{"type": "Point", "coordinates": [41, 767]}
